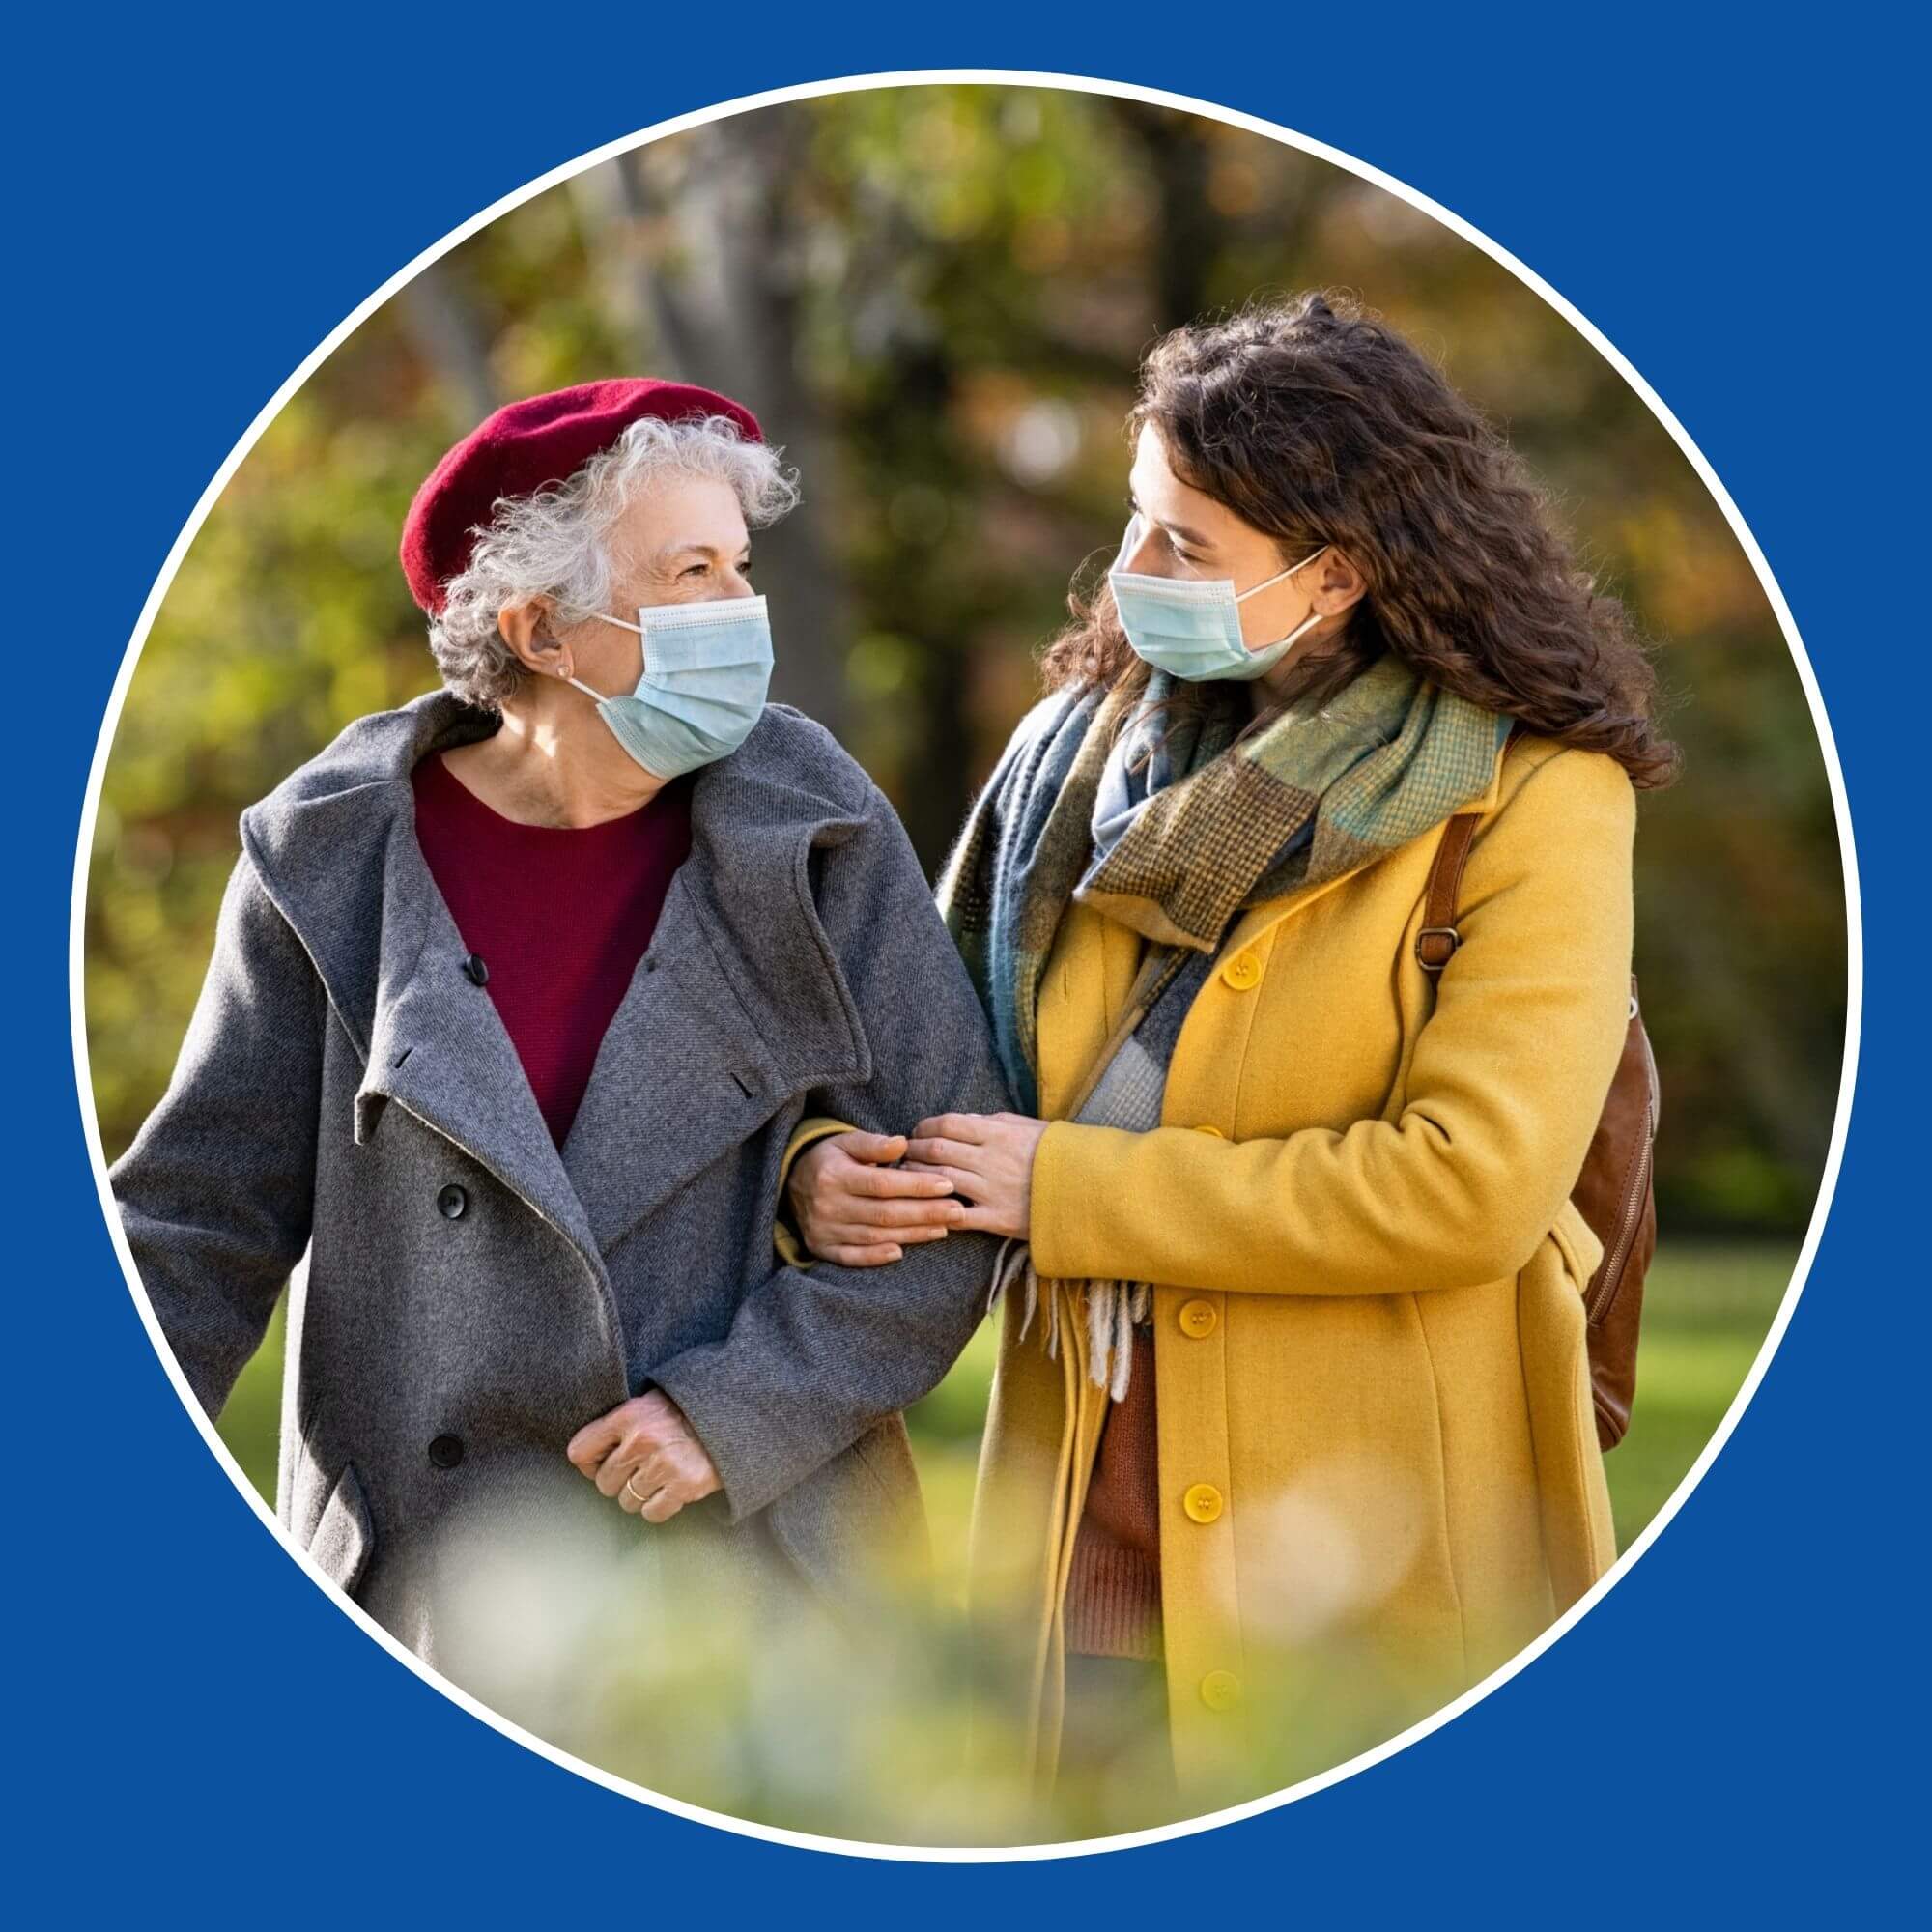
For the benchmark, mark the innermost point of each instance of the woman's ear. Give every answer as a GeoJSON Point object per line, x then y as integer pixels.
{"type": "Point", "coordinates": [525, 631]}
{"type": "Point", "coordinates": [1338, 586]}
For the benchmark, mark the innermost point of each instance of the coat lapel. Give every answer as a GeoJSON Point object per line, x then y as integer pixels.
{"type": "Point", "coordinates": [737, 1007]}
{"type": "Point", "coordinates": [437, 1048]}
{"type": "Point", "coordinates": [336, 849]}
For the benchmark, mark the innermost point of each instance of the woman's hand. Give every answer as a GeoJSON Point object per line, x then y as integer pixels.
{"type": "Point", "coordinates": [644, 1453]}
{"type": "Point", "coordinates": [852, 1206]}
{"type": "Point", "coordinates": [988, 1159]}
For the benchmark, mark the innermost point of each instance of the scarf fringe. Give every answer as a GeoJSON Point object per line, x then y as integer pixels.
{"type": "Point", "coordinates": [1113, 1309]}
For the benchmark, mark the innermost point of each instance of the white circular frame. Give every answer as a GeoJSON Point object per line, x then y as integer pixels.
{"type": "Point", "coordinates": [1254, 125]}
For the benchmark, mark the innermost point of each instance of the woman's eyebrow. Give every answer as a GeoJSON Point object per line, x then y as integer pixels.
{"type": "Point", "coordinates": [676, 549]}
{"type": "Point", "coordinates": [1180, 531]}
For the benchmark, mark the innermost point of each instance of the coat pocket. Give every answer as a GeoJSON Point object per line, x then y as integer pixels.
{"type": "Point", "coordinates": [1579, 1245]}
{"type": "Point", "coordinates": [1578, 1534]}
{"type": "Point", "coordinates": [344, 1536]}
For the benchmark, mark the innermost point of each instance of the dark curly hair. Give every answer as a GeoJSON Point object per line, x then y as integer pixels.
{"type": "Point", "coordinates": [1315, 422]}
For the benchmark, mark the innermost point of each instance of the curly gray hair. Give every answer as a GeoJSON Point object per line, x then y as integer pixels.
{"type": "Point", "coordinates": [553, 543]}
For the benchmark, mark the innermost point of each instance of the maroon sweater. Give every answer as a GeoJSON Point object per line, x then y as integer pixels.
{"type": "Point", "coordinates": [561, 916]}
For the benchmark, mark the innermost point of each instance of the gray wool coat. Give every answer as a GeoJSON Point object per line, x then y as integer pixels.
{"type": "Point", "coordinates": [348, 1115]}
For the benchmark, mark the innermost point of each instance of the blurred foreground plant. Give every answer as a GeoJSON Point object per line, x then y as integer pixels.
{"type": "Point", "coordinates": [899, 1729]}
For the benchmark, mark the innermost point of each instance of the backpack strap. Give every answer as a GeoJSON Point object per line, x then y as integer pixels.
{"type": "Point", "coordinates": [1436, 943]}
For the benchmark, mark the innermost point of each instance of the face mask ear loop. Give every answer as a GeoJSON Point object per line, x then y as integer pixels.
{"type": "Point", "coordinates": [1313, 619]}
{"type": "Point", "coordinates": [1244, 596]}
{"type": "Point", "coordinates": [622, 624]}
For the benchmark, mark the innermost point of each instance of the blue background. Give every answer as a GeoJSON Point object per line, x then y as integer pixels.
{"type": "Point", "coordinates": [195, 205]}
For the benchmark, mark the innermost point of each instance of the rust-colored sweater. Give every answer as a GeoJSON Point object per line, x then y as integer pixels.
{"type": "Point", "coordinates": [1113, 1589]}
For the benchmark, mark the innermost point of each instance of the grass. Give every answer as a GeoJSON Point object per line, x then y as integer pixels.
{"type": "Point", "coordinates": [1706, 1308]}
{"type": "Point", "coordinates": [1706, 1311]}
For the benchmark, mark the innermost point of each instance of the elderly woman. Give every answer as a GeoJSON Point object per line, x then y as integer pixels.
{"type": "Point", "coordinates": [518, 994]}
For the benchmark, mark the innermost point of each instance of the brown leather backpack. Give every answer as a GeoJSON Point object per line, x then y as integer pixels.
{"type": "Point", "coordinates": [1613, 1193]}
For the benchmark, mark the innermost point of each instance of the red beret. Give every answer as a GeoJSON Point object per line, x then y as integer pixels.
{"type": "Point", "coordinates": [523, 447]}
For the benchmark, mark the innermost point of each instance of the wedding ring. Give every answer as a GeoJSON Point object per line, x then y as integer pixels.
{"type": "Point", "coordinates": [639, 1499]}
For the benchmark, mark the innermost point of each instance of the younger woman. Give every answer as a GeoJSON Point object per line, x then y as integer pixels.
{"type": "Point", "coordinates": [1290, 1436]}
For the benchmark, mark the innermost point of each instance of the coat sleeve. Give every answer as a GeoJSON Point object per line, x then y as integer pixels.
{"type": "Point", "coordinates": [981, 833]}
{"type": "Point", "coordinates": [1506, 1086]}
{"type": "Point", "coordinates": [216, 1191]}
{"type": "Point", "coordinates": [815, 1358]}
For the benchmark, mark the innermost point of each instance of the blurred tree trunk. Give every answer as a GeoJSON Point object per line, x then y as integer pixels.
{"type": "Point", "coordinates": [443, 326]}
{"type": "Point", "coordinates": [929, 591]}
{"type": "Point", "coordinates": [699, 252]}
{"type": "Point", "coordinates": [1189, 233]}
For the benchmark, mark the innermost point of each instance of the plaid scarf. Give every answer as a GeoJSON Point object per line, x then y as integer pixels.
{"type": "Point", "coordinates": [1168, 825]}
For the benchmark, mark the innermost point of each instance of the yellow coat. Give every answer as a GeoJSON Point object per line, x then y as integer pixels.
{"type": "Point", "coordinates": [1378, 1468]}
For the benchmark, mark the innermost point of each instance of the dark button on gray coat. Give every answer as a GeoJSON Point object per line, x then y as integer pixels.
{"type": "Point", "coordinates": [348, 1114]}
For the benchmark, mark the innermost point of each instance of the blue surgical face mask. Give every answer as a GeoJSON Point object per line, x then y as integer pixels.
{"type": "Point", "coordinates": [1192, 626]}
{"type": "Point", "coordinates": [707, 668]}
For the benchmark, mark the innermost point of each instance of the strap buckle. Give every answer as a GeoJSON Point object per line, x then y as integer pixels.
{"type": "Point", "coordinates": [1433, 959]}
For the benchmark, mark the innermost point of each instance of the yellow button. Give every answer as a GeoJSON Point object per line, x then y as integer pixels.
{"type": "Point", "coordinates": [1205, 1129]}
{"type": "Point", "coordinates": [1199, 1319]}
{"type": "Point", "coordinates": [1202, 1502]}
{"type": "Point", "coordinates": [1242, 971]}
{"type": "Point", "coordinates": [1220, 1689]}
